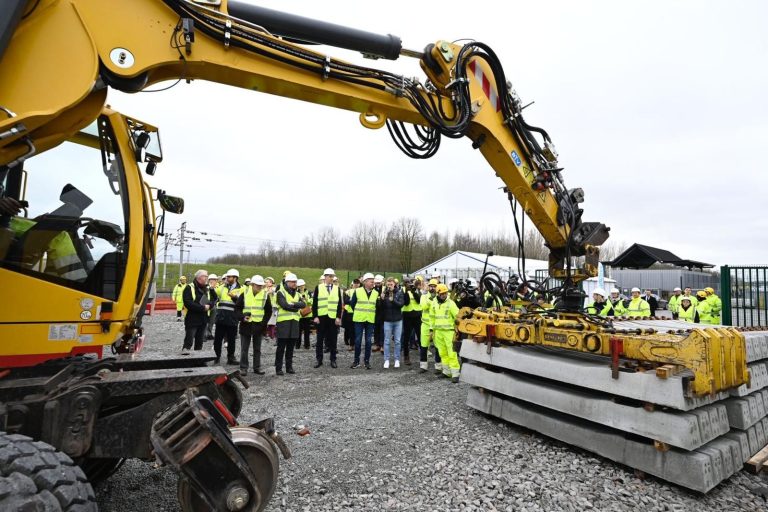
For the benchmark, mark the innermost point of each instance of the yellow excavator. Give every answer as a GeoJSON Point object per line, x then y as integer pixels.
{"type": "Point", "coordinates": [77, 247]}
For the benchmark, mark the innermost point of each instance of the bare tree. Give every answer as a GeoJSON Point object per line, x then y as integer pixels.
{"type": "Point", "coordinates": [403, 236]}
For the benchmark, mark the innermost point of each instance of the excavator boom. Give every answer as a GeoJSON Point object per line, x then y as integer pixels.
{"type": "Point", "coordinates": [130, 45]}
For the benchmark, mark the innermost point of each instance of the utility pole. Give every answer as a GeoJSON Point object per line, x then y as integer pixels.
{"type": "Point", "coordinates": [166, 242]}
{"type": "Point", "coordinates": [181, 248]}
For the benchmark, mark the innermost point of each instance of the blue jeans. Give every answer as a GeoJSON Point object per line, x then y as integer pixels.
{"type": "Point", "coordinates": [361, 327]}
{"type": "Point", "coordinates": [392, 329]}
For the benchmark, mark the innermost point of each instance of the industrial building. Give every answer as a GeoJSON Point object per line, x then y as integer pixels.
{"type": "Point", "coordinates": [465, 265]}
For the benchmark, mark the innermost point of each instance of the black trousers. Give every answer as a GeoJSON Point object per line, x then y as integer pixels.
{"type": "Point", "coordinates": [349, 329]}
{"type": "Point", "coordinates": [327, 336]}
{"type": "Point", "coordinates": [211, 323]}
{"type": "Point", "coordinates": [245, 344]}
{"type": "Point", "coordinates": [305, 325]}
{"type": "Point", "coordinates": [411, 327]}
{"type": "Point", "coordinates": [196, 334]}
{"type": "Point", "coordinates": [230, 332]}
{"type": "Point", "coordinates": [285, 347]}
{"type": "Point", "coordinates": [378, 333]}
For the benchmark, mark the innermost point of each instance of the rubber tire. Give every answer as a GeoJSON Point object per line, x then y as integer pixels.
{"type": "Point", "coordinates": [34, 477]}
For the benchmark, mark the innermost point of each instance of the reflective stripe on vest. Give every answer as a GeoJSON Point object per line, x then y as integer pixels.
{"type": "Point", "coordinates": [638, 307]}
{"type": "Point", "coordinates": [411, 306]}
{"type": "Point", "coordinates": [443, 319]}
{"type": "Point", "coordinates": [254, 304]}
{"type": "Point", "coordinates": [225, 301]}
{"type": "Point", "coordinates": [283, 315]}
{"type": "Point", "coordinates": [327, 303]}
{"type": "Point", "coordinates": [425, 304]}
{"type": "Point", "coordinates": [365, 308]}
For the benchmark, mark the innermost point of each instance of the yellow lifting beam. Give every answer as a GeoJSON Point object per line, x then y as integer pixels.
{"type": "Point", "coordinates": [716, 357]}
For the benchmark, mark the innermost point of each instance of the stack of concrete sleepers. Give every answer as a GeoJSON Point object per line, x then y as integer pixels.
{"type": "Point", "coordinates": [639, 420]}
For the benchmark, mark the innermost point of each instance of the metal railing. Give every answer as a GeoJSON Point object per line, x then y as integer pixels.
{"type": "Point", "coordinates": [744, 291]}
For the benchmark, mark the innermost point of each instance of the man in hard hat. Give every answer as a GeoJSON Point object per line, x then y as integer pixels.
{"type": "Point", "coordinates": [255, 309]}
{"type": "Point", "coordinates": [674, 302]}
{"type": "Point", "coordinates": [378, 329]}
{"type": "Point", "coordinates": [617, 304]}
{"type": "Point", "coordinates": [443, 331]}
{"type": "Point", "coordinates": [427, 301]}
{"type": "Point", "coordinates": [686, 311]}
{"type": "Point", "coordinates": [653, 304]}
{"type": "Point", "coordinates": [599, 305]}
{"type": "Point", "coordinates": [346, 319]}
{"type": "Point", "coordinates": [703, 308]}
{"type": "Point", "coordinates": [177, 296]}
{"type": "Point", "coordinates": [289, 304]}
{"type": "Point", "coordinates": [363, 304]}
{"type": "Point", "coordinates": [226, 318]}
{"type": "Point", "coordinates": [197, 299]}
{"type": "Point", "coordinates": [305, 322]}
{"type": "Point", "coordinates": [637, 306]}
{"type": "Point", "coordinates": [213, 284]}
{"type": "Point", "coordinates": [716, 305]}
{"type": "Point", "coordinates": [326, 313]}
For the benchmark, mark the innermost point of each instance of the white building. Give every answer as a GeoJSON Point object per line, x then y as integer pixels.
{"type": "Point", "coordinates": [465, 265]}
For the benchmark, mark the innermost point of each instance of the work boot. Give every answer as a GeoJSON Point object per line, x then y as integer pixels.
{"type": "Point", "coordinates": [259, 372]}
{"type": "Point", "coordinates": [318, 364]}
{"type": "Point", "coordinates": [231, 360]}
{"type": "Point", "coordinates": [243, 371]}
{"type": "Point", "coordinates": [455, 380]}
{"type": "Point", "coordinates": [279, 372]}
{"type": "Point", "coordinates": [438, 372]}
{"type": "Point", "coordinates": [333, 364]}
{"type": "Point", "coordinates": [290, 370]}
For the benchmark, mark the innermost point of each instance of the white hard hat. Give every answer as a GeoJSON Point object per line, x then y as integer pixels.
{"type": "Point", "coordinates": [379, 278]}
{"type": "Point", "coordinates": [212, 276]}
{"type": "Point", "coordinates": [635, 289]}
{"type": "Point", "coordinates": [300, 282]}
{"type": "Point", "coordinates": [615, 290]}
{"type": "Point", "coordinates": [600, 292]}
{"type": "Point", "coordinates": [232, 272]}
{"type": "Point", "coordinates": [290, 277]}
{"type": "Point", "coordinates": [329, 272]}
{"type": "Point", "coordinates": [257, 279]}
{"type": "Point", "coordinates": [367, 276]}
{"type": "Point", "coordinates": [677, 289]}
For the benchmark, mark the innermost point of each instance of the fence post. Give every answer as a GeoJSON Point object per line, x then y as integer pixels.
{"type": "Point", "coordinates": [725, 294]}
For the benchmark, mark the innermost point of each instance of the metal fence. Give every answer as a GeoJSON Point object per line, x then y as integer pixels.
{"type": "Point", "coordinates": [744, 291]}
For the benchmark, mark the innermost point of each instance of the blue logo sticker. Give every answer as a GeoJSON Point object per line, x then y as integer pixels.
{"type": "Point", "coordinates": [516, 158]}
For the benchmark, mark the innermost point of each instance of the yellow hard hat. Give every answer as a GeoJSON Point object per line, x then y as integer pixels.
{"type": "Point", "coordinates": [432, 282]}
{"type": "Point", "coordinates": [701, 294]}
{"type": "Point", "coordinates": [441, 288]}
{"type": "Point", "coordinates": [419, 278]}
{"type": "Point", "coordinates": [287, 272]}
{"type": "Point", "coordinates": [709, 290]}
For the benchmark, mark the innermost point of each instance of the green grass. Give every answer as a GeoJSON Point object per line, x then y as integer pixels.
{"type": "Point", "coordinates": [310, 275]}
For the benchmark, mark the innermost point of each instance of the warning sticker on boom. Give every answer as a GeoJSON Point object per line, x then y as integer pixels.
{"type": "Point", "coordinates": [62, 332]}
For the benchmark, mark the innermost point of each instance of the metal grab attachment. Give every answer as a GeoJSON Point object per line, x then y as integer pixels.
{"type": "Point", "coordinates": [220, 469]}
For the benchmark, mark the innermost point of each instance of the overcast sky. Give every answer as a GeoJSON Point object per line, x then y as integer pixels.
{"type": "Point", "coordinates": [659, 111]}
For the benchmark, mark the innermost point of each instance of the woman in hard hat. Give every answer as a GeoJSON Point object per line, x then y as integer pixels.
{"type": "Point", "coordinates": [599, 305]}
{"type": "Point", "coordinates": [686, 311]}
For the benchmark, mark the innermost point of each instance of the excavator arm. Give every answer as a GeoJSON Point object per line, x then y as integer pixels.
{"type": "Point", "coordinates": [64, 54]}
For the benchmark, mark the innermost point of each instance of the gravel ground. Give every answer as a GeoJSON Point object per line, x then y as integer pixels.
{"type": "Point", "coordinates": [399, 440]}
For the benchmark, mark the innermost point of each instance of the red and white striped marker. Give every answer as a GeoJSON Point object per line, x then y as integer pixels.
{"type": "Point", "coordinates": [488, 89]}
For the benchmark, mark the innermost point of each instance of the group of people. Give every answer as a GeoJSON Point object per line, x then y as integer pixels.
{"type": "Point", "coordinates": [704, 307]}
{"type": "Point", "coordinates": [394, 315]}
